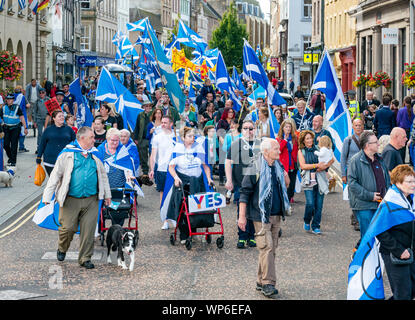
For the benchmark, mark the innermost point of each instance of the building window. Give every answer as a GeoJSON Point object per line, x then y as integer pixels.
{"type": "Point", "coordinates": [86, 38]}
{"type": "Point", "coordinates": [85, 4]}
{"type": "Point", "coordinates": [306, 43]}
{"type": "Point", "coordinates": [307, 9]}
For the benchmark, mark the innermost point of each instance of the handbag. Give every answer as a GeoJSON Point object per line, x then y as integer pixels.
{"type": "Point", "coordinates": [410, 260]}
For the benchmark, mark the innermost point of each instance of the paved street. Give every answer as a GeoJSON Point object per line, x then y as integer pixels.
{"type": "Point", "coordinates": [309, 267]}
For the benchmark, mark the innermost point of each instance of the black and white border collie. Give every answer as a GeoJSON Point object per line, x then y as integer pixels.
{"type": "Point", "coordinates": [123, 240]}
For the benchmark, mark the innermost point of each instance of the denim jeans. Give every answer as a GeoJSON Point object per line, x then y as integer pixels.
{"type": "Point", "coordinates": [364, 217]}
{"type": "Point", "coordinates": [313, 207]}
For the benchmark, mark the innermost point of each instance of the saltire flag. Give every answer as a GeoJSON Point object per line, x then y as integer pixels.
{"type": "Point", "coordinates": [153, 78]}
{"type": "Point", "coordinates": [212, 77]}
{"type": "Point", "coordinates": [124, 47]}
{"type": "Point", "coordinates": [179, 150]}
{"type": "Point", "coordinates": [168, 50]}
{"type": "Point", "coordinates": [365, 280]}
{"type": "Point", "coordinates": [258, 52]}
{"type": "Point", "coordinates": [33, 5]}
{"type": "Point", "coordinates": [192, 94]}
{"type": "Point", "coordinates": [2, 2]}
{"type": "Point", "coordinates": [135, 157]}
{"type": "Point", "coordinates": [189, 38]}
{"type": "Point", "coordinates": [258, 93]}
{"type": "Point", "coordinates": [180, 74]}
{"type": "Point", "coordinates": [122, 160]}
{"type": "Point", "coordinates": [138, 25]}
{"type": "Point", "coordinates": [254, 69]}
{"type": "Point", "coordinates": [111, 90]}
{"type": "Point", "coordinates": [168, 76]}
{"type": "Point", "coordinates": [223, 82]}
{"type": "Point", "coordinates": [22, 4]}
{"type": "Point", "coordinates": [337, 113]}
{"type": "Point", "coordinates": [195, 80]}
{"type": "Point", "coordinates": [84, 116]}
{"type": "Point", "coordinates": [237, 80]}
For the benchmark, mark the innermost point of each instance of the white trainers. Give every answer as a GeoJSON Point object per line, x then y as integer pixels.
{"type": "Point", "coordinates": [290, 211]}
{"type": "Point", "coordinates": [165, 225]}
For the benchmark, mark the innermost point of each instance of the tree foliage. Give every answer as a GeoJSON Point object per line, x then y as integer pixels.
{"type": "Point", "coordinates": [228, 38]}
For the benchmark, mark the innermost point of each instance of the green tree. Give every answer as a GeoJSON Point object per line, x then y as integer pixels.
{"type": "Point", "coordinates": [228, 38]}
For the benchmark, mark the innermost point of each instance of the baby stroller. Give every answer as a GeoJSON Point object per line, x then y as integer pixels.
{"type": "Point", "coordinates": [123, 206]}
{"type": "Point", "coordinates": [197, 220]}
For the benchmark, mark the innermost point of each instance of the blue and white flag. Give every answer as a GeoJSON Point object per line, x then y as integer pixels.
{"type": "Point", "coordinates": [254, 69]}
{"type": "Point", "coordinates": [2, 2]}
{"type": "Point", "coordinates": [47, 215]}
{"type": "Point", "coordinates": [109, 89]}
{"type": "Point", "coordinates": [34, 5]}
{"type": "Point", "coordinates": [22, 4]}
{"type": "Point", "coordinates": [132, 149]}
{"type": "Point", "coordinates": [138, 25]}
{"type": "Point", "coordinates": [223, 82]}
{"type": "Point", "coordinates": [258, 93]}
{"type": "Point", "coordinates": [124, 46]}
{"type": "Point", "coordinates": [121, 160]}
{"type": "Point", "coordinates": [212, 77]}
{"type": "Point", "coordinates": [168, 76]}
{"type": "Point", "coordinates": [258, 52]}
{"type": "Point", "coordinates": [256, 72]}
{"type": "Point", "coordinates": [237, 80]}
{"type": "Point", "coordinates": [192, 94]}
{"type": "Point", "coordinates": [196, 80]}
{"type": "Point", "coordinates": [337, 112]}
{"type": "Point", "coordinates": [189, 38]}
{"type": "Point", "coordinates": [84, 116]}
{"type": "Point", "coordinates": [169, 48]}
{"type": "Point", "coordinates": [365, 280]}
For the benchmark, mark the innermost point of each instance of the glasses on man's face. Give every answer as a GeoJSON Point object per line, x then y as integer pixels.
{"type": "Point", "coordinates": [250, 129]}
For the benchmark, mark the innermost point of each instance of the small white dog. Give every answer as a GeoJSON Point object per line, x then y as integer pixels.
{"type": "Point", "coordinates": [7, 177]}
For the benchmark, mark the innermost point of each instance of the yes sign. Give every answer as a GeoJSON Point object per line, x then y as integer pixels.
{"type": "Point", "coordinates": [206, 201]}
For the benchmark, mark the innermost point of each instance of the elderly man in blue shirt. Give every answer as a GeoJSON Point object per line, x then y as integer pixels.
{"type": "Point", "coordinates": [78, 181]}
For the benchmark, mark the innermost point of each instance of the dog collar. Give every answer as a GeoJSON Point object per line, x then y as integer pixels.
{"type": "Point", "coordinates": [11, 172]}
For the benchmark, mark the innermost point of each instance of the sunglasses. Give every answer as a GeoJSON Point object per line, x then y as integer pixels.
{"type": "Point", "coordinates": [250, 129]}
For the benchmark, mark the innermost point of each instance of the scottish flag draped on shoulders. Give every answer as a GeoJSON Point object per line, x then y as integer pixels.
{"type": "Point", "coordinates": [198, 151]}
{"type": "Point", "coordinates": [365, 271]}
{"type": "Point", "coordinates": [121, 160]}
{"type": "Point", "coordinates": [133, 151]}
{"type": "Point", "coordinates": [47, 215]}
